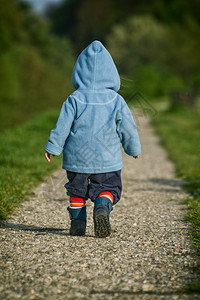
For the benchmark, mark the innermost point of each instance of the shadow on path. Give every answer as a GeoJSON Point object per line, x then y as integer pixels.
{"type": "Point", "coordinates": [168, 182]}
{"type": "Point", "coordinates": [33, 228]}
{"type": "Point", "coordinates": [23, 227]}
{"type": "Point", "coordinates": [161, 184]}
{"type": "Point", "coordinates": [160, 181]}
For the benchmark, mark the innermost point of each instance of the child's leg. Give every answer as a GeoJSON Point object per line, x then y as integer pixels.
{"type": "Point", "coordinates": [77, 190]}
{"type": "Point", "coordinates": [105, 191]}
{"type": "Point", "coordinates": [103, 182]}
{"type": "Point", "coordinates": [77, 186]}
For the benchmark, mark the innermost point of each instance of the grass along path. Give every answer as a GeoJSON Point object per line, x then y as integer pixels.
{"type": "Point", "coordinates": [22, 162]}
{"type": "Point", "coordinates": [179, 131]}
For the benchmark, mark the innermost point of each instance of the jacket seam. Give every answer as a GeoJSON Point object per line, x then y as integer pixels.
{"type": "Point", "coordinates": [95, 103]}
{"type": "Point", "coordinates": [88, 91]}
{"type": "Point", "coordinates": [94, 77]}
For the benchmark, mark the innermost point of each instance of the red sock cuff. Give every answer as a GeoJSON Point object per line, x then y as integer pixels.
{"type": "Point", "coordinates": [107, 194]}
{"type": "Point", "coordinates": [77, 201]}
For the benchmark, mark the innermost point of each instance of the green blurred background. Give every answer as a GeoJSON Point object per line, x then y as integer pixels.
{"type": "Point", "coordinates": [155, 43]}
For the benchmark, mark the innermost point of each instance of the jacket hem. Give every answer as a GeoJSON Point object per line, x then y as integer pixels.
{"type": "Point", "coordinates": [90, 170]}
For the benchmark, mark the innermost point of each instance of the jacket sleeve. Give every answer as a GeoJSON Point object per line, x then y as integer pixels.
{"type": "Point", "coordinates": [127, 131]}
{"type": "Point", "coordinates": [61, 132]}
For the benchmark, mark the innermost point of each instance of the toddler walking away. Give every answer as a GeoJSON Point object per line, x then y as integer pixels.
{"type": "Point", "coordinates": [93, 121]}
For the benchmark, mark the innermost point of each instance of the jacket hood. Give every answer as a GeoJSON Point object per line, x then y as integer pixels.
{"type": "Point", "coordinates": [95, 69]}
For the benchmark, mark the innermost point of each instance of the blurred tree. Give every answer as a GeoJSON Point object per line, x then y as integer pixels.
{"type": "Point", "coordinates": [85, 20]}
{"type": "Point", "coordinates": [140, 40]}
{"type": "Point", "coordinates": [11, 23]}
{"type": "Point", "coordinates": [173, 11]}
{"type": "Point", "coordinates": [162, 58]}
{"type": "Point", "coordinates": [35, 65]}
{"type": "Point", "coordinates": [184, 44]}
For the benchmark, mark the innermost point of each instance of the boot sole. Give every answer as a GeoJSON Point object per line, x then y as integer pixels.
{"type": "Point", "coordinates": [77, 233]}
{"type": "Point", "coordinates": [102, 226]}
{"type": "Point", "coordinates": [78, 228]}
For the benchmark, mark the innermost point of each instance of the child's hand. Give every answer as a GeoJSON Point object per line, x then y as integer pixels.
{"type": "Point", "coordinates": [136, 156]}
{"type": "Point", "coordinates": [47, 156]}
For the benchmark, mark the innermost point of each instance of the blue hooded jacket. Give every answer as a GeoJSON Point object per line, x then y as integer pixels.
{"type": "Point", "coordinates": [94, 119]}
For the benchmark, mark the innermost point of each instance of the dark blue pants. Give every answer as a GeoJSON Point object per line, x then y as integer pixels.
{"type": "Point", "coordinates": [90, 185]}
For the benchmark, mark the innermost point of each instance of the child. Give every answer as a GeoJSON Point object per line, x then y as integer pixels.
{"type": "Point", "coordinates": [93, 121]}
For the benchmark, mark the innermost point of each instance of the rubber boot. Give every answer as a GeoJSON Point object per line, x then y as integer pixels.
{"type": "Point", "coordinates": [78, 220]}
{"type": "Point", "coordinates": [102, 209]}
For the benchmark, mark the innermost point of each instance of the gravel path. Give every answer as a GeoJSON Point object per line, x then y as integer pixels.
{"type": "Point", "coordinates": [147, 256]}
